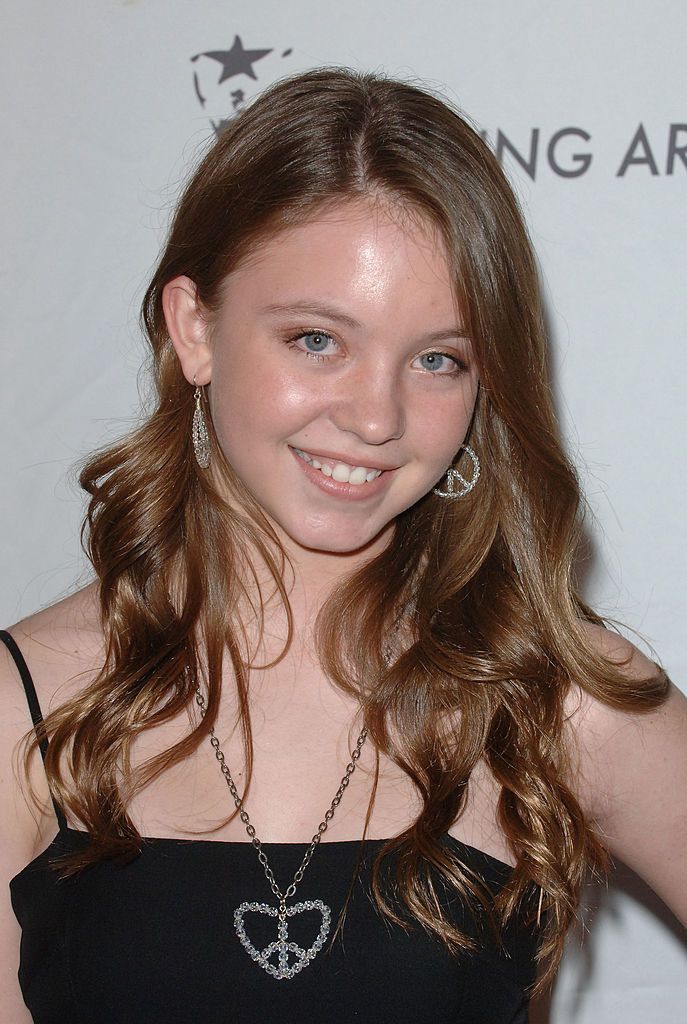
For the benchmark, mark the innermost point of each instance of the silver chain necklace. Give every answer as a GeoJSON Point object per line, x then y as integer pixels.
{"type": "Point", "coordinates": [283, 969]}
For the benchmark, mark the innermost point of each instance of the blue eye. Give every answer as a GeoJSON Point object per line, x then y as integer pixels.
{"type": "Point", "coordinates": [315, 341]}
{"type": "Point", "coordinates": [315, 344]}
{"type": "Point", "coordinates": [440, 363]}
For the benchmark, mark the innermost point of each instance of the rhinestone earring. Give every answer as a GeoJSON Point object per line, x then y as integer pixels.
{"type": "Point", "coordinates": [457, 486]}
{"type": "Point", "coordinates": [199, 431]}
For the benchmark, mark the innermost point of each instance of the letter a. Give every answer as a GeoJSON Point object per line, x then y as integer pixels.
{"type": "Point", "coordinates": [639, 140]}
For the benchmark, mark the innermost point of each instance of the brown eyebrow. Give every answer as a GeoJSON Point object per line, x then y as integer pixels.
{"type": "Point", "coordinates": [318, 309]}
{"type": "Point", "coordinates": [450, 332]}
{"type": "Point", "coordinates": [315, 309]}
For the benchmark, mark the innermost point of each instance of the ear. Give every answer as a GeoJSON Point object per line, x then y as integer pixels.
{"type": "Point", "coordinates": [188, 329]}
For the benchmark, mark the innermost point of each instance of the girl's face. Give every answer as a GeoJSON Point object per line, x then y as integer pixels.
{"type": "Point", "coordinates": [341, 385]}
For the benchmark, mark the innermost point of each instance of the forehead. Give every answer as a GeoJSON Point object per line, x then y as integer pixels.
{"type": "Point", "coordinates": [358, 250]}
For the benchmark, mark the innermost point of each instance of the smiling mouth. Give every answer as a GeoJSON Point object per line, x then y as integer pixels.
{"type": "Point", "coordinates": [340, 471]}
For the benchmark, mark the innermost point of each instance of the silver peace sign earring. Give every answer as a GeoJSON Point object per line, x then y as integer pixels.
{"type": "Point", "coordinates": [457, 486]}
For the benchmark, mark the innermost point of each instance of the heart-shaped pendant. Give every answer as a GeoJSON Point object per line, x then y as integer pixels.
{"type": "Point", "coordinates": [283, 970]}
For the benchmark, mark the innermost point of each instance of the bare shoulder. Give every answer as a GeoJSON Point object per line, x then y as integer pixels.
{"type": "Point", "coordinates": [629, 771]}
{"type": "Point", "coordinates": [597, 733]}
{"type": "Point", "coordinates": [62, 647]}
{"type": "Point", "coordinates": [593, 723]}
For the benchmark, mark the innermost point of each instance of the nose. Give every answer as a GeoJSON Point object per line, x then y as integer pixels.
{"type": "Point", "coordinates": [371, 406]}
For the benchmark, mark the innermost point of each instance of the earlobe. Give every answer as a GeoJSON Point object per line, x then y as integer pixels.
{"type": "Point", "coordinates": [188, 329]}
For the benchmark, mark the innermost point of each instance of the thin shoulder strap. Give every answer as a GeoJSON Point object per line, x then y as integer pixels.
{"type": "Point", "coordinates": [34, 708]}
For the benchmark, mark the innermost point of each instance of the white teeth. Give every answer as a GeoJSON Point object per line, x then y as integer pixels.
{"type": "Point", "coordinates": [344, 474]}
{"type": "Point", "coordinates": [341, 473]}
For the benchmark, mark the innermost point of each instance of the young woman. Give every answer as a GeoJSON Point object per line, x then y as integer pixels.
{"type": "Point", "coordinates": [333, 584]}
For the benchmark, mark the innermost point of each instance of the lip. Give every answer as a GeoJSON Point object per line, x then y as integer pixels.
{"type": "Point", "coordinates": [345, 491]}
{"type": "Point", "coordinates": [349, 460]}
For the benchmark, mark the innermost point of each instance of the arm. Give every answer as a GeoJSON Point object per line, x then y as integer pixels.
{"type": "Point", "coordinates": [63, 648]}
{"type": "Point", "coordinates": [631, 777]}
{"type": "Point", "coordinates": [19, 834]}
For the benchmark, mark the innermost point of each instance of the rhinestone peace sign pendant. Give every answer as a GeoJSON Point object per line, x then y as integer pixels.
{"type": "Point", "coordinates": [300, 958]}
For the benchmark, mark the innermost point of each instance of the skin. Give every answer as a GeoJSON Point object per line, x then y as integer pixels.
{"type": "Point", "coordinates": [375, 400]}
{"type": "Point", "coordinates": [379, 393]}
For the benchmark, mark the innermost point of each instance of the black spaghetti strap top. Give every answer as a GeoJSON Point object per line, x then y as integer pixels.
{"type": "Point", "coordinates": [182, 934]}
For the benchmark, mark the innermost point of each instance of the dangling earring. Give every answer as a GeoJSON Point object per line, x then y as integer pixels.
{"type": "Point", "coordinates": [456, 484]}
{"type": "Point", "coordinates": [199, 432]}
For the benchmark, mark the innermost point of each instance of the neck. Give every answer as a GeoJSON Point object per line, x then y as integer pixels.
{"type": "Point", "coordinates": [310, 577]}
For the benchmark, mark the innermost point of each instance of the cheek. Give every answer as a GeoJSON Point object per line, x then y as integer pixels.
{"type": "Point", "coordinates": [443, 424]}
{"type": "Point", "coordinates": [250, 404]}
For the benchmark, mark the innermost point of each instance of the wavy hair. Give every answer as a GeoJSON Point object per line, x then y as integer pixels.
{"type": "Point", "coordinates": [495, 636]}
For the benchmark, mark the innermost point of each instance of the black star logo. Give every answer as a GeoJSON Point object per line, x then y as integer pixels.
{"type": "Point", "coordinates": [236, 61]}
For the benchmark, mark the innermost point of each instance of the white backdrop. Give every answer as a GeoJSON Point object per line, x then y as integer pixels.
{"type": "Point", "coordinates": [587, 103]}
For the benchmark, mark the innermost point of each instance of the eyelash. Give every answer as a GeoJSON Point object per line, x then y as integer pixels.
{"type": "Point", "coordinates": [320, 357]}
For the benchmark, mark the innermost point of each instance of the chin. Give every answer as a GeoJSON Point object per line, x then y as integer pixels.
{"type": "Point", "coordinates": [341, 542]}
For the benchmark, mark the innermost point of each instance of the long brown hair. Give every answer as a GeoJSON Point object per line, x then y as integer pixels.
{"type": "Point", "coordinates": [495, 637]}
